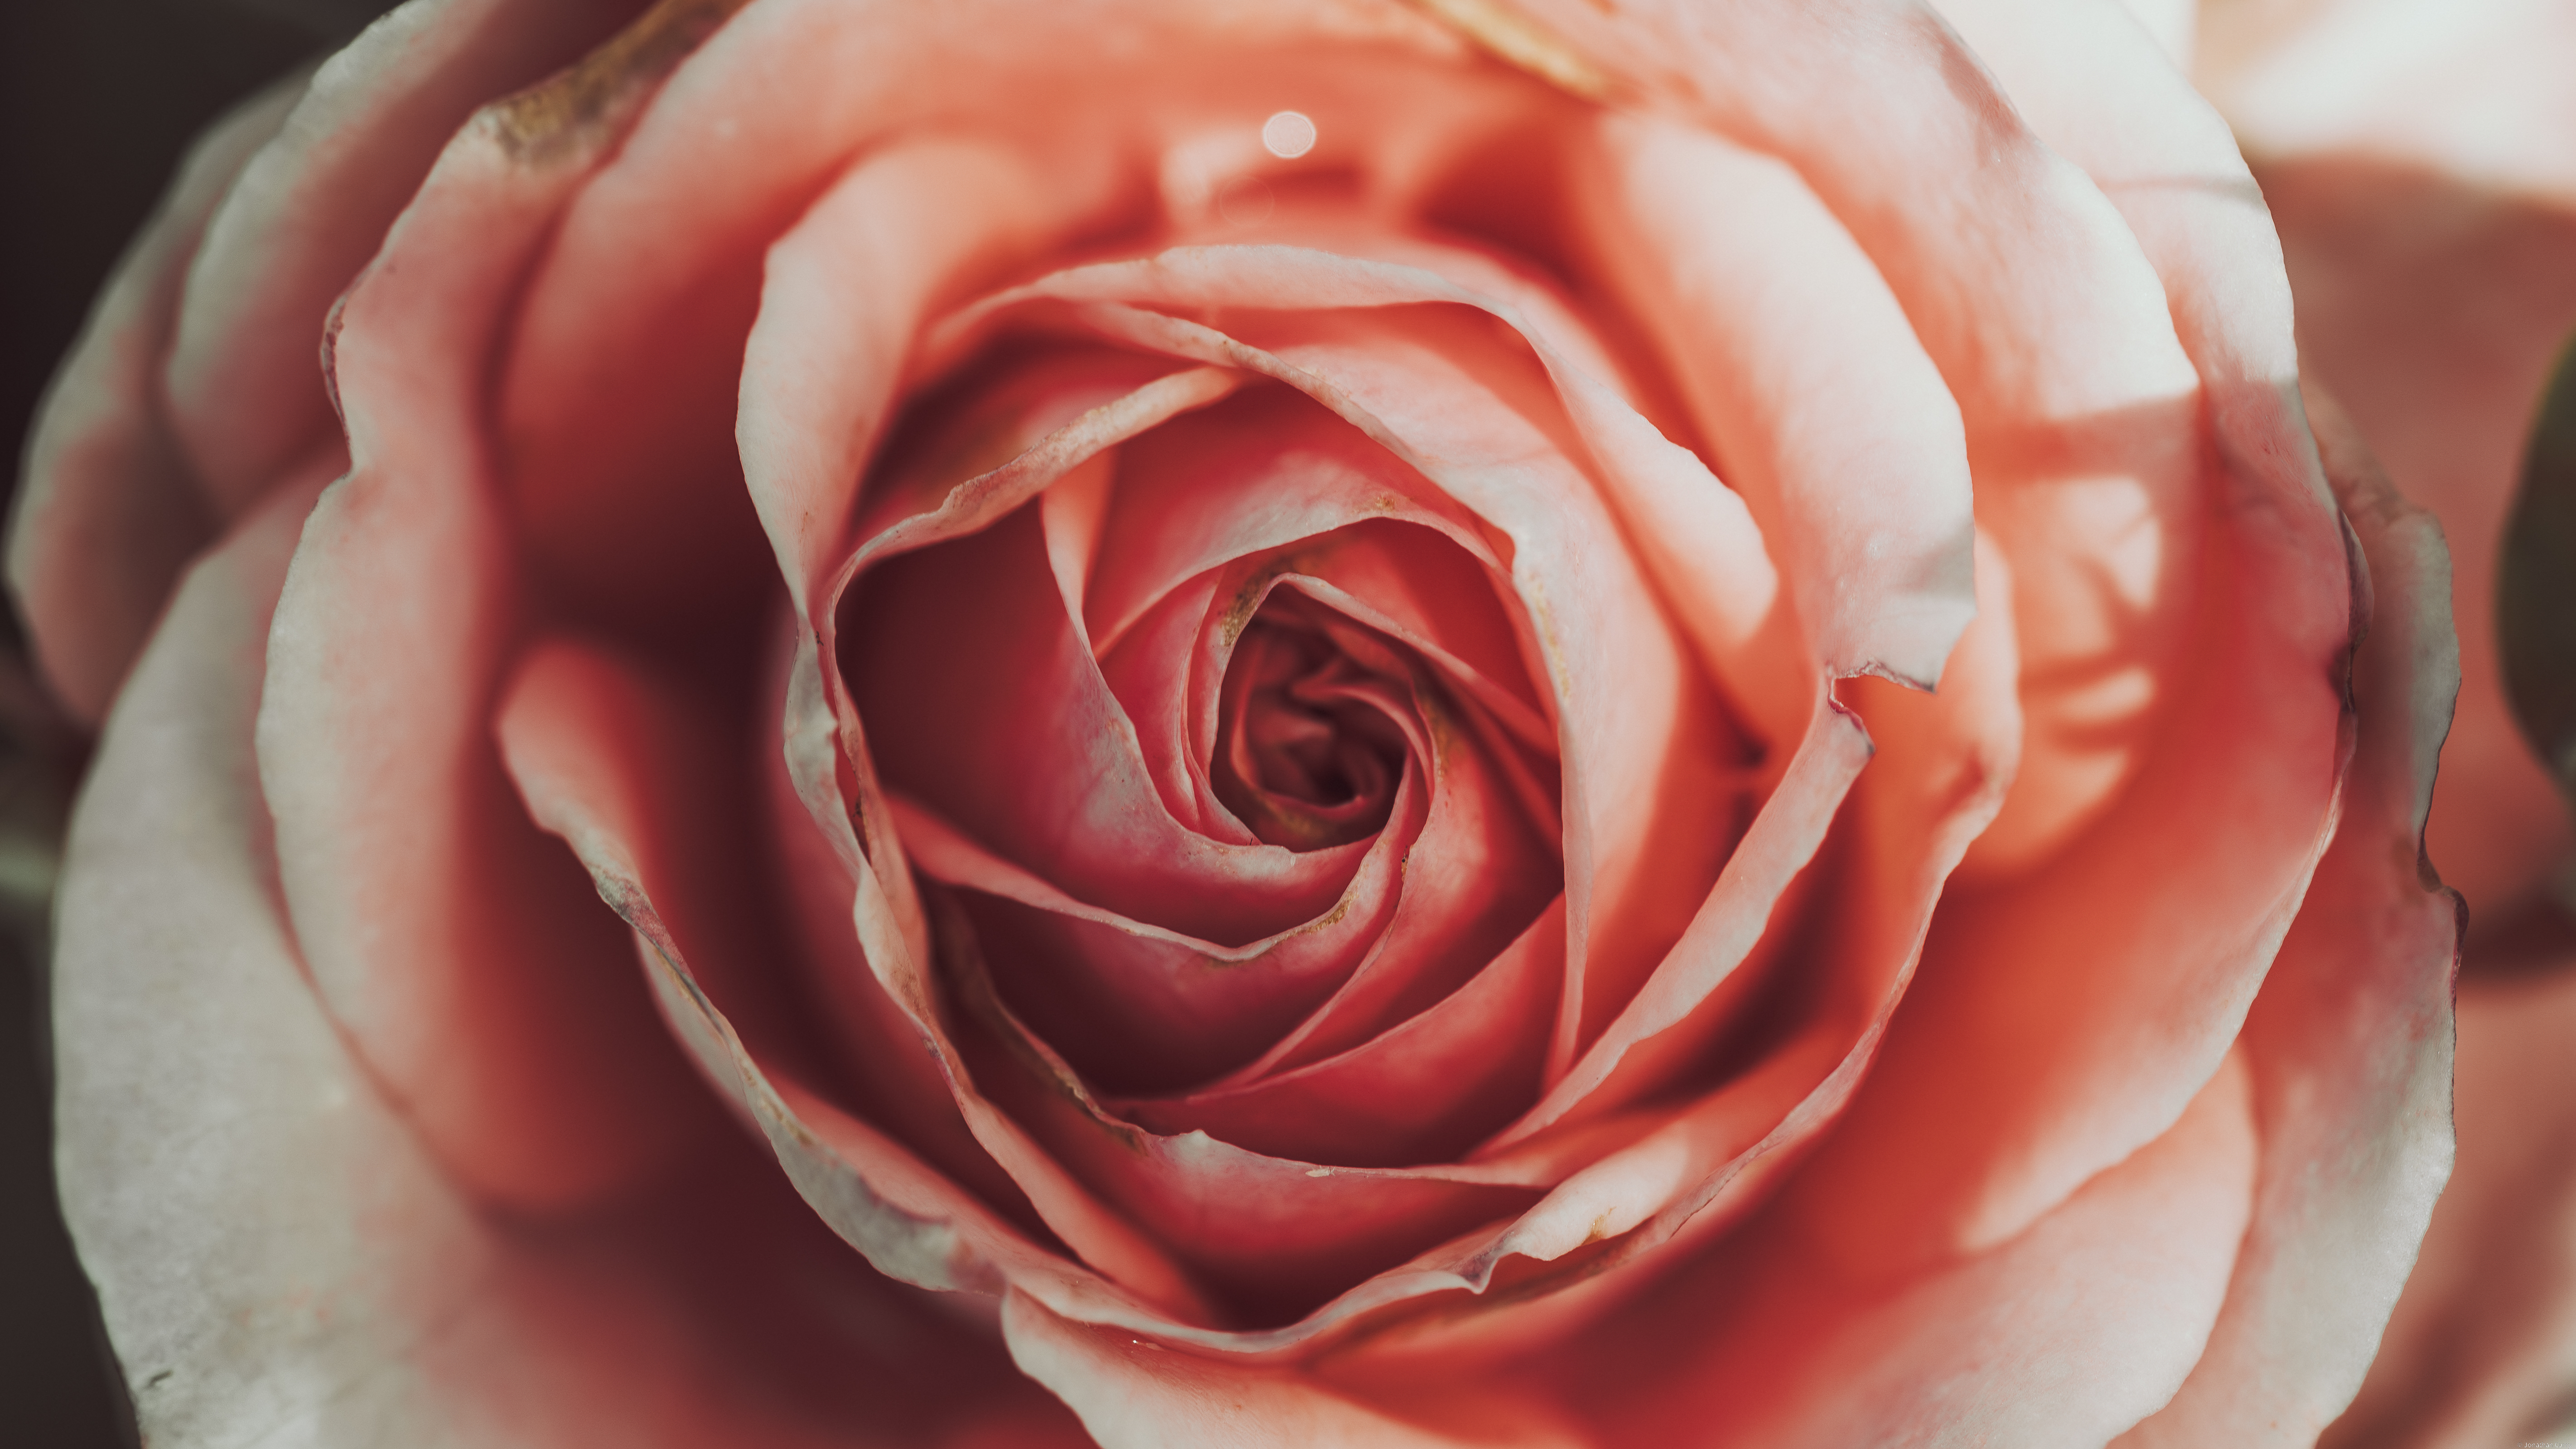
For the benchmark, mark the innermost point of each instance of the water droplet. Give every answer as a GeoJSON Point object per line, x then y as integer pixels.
{"type": "Point", "coordinates": [1288, 135]}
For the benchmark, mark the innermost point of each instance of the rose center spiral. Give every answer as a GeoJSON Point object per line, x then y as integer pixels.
{"type": "Point", "coordinates": [1307, 756]}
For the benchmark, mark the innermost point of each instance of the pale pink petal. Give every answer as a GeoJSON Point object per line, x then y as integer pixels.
{"type": "Point", "coordinates": [109, 509]}
{"type": "Point", "coordinates": [1731, 922]}
{"type": "Point", "coordinates": [1816, 397]}
{"type": "Point", "coordinates": [622, 376]}
{"type": "Point", "coordinates": [1182, 1170]}
{"type": "Point", "coordinates": [1208, 1201]}
{"type": "Point", "coordinates": [1276, 1238]}
{"type": "Point", "coordinates": [2356, 1151]}
{"type": "Point", "coordinates": [2094, 1000]}
{"type": "Point", "coordinates": [1142, 1007]}
{"type": "Point", "coordinates": [1267, 471]}
{"type": "Point", "coordinates": [1473, 878]}
{"type": "Point", "coordinates": [280, 1261]}
{"type": "Point", "coordinates": [447, 935]}
{"type": "Point", "coordinates": [1390, 1216]}
{"type": "Point", "coordinates": [2084, 427]}
{"type": "Point", "coordinates": [2482, 1348]}
{"type": "Point", "coordinates": [2350, 1041]}
{"type": "Point", "coordinates": [246, 397]}
{"type": "Point", "coordinates": [1824, 979]}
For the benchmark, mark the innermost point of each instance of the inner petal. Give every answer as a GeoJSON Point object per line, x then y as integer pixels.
{"type": "Point", "coordinates": [1309, 758]}
{"type": "Point", "coordinates": [982, 703]}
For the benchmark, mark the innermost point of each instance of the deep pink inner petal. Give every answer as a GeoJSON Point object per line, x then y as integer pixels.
{"type": "Point", "coordinates": [1308, 754]}
{"type": "Point", "coordinates": [982, 702]}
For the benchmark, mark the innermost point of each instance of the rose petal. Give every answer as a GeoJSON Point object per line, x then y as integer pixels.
{"type": "Point", "coordinates": [375, 1302]}
{"type": "Point", "coordinates": [1143, 1007]}
{"type": "Point", "coordinates": [445, 933]}
{"type": "Point", "coordinates": [1471, 880]}
{"type": "Point", "coordinates": [1133, 1393]}
{"type": "Point", "coordinates": [2078, 1067]}
{"type": "Point", "coordinates": [1819, 1017]}
{"type": "Point", "coordinates": [920, 222]}
{"type": "Point", "coordinates": [593, 744]}
{"type": "Point", "coordinates": [109, 510]}
{"type": "Point", "coordinates": [1386, 1210]}
{"type": "Point", "coordinates": [1807, 378]}
{"type": "Point", "coordinates": [2435, 311]}
{"type": "Point", "coordinates": [624, 370]}
{"type": "Point", "coordinates": [1478, 423]}
{"type": "Point", "coordinates": [1422, 1090]}
{"type": "Point", "coordinates": [313, 206]}
{"type": "Point", "coordinates": [1268, 471]}
{"type": "Point", "coordinates": [2349, 1041]}
{"type": "Point", "coordinates": [2004, 1347]}
{"type": "Point", "coordinates": [1981, 233]}
{"type": "Point", "coordinates": [2479, 1347]}
{"type": "Point", "coordinates": [2368, 960]}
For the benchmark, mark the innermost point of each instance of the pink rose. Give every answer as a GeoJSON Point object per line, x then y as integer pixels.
{"type": "Point", "coordinates": [1214, 826]}
{"type": "Point", "coordinates": [2419, 161]}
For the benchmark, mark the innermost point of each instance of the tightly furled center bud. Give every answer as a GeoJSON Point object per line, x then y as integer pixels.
{"type": "Point", "coordinates": [1311, 748]}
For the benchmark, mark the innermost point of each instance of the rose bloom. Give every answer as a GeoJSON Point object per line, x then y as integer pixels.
{"type": "Point", "coordinates": [1215, 723]}
{"type": "Point", "coordinates": [2419, 163]}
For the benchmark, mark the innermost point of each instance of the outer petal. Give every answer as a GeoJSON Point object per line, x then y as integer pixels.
{"type": "Point", "coordinates": [109, 509]}
{"type": "Point", "coordinates": [2092, 997]}
{"type": "Point", "coordinates": [2433, 307]}
{"type": "Point", "coordinates": [2006, 1348]}
{"type": "Point", "coordinates": [1777, 327]}
{"type": "Point", "coordinates": [308, 211]}
{"type": "Point", "coordinates": [448, 936]}
{"type": "Point", "coordinates": [2350, 1040]}
{"type": "Point", "coordinates": [2028, 294]}
{"type": "Point", "coordinates": [2482, 1349]}
{"type": "Point", "coordinates": [279, 1260]}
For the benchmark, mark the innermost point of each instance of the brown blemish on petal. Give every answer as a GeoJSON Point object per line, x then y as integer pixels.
{"type": "Point", "coordinates": [1517, 40]}
{"type": "Point", "coordinates": [567, 113]}
{"type": "Point", "coordinates": [1247, 600]}
{"type": "Point", "coordinates": [1543, 623]}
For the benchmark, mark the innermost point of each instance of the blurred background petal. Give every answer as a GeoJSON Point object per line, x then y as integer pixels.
{"type": "Point", "coordinates": [98, 98]}
{"type": "Point", "coordinates": [2417, 157]}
